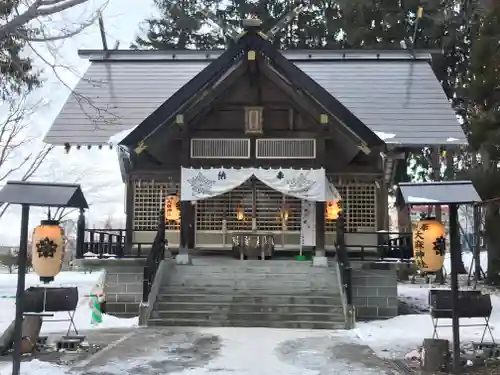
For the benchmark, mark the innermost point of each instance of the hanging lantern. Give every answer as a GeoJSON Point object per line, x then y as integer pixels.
{"type": "Point", "coordinates": [172, 208]}
{"type": "Point", "coordinates": [284, 212]}
{"type": "Point", "coordinates": [240, 213]}
{"type": "Point", "coordinates": [47, 249]}
{"type": "Point", "coordinates": [429, 245]}
{"type": "Point", "coordinates": [333, 209]}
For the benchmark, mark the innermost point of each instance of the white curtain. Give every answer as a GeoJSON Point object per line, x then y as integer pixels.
{"type": "Point", "coordinates": [306, 184]}
{"type": "Point", "coordinates": [198, 184]}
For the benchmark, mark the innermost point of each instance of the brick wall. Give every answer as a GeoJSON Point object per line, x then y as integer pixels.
{"type": "Point", "coordinates": [375, 292]}
{"type": "Point", "coordinates": [122, 286]}
{"type": "Point", "coordinates": [123, 291]}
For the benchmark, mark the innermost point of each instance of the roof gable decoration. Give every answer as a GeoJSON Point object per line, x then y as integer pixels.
{"type": "Point", "coordinates": [250, 41]}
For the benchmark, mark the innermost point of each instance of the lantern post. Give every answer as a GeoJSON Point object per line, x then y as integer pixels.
{"type": "Point", "coordinates": [37, 194]}
{"type": "Point", "coordinates": [454, 255]}
{"type": "Point", "coordinates": [21, 283]}
{"type": "Point", "coordinates": [452, 194]}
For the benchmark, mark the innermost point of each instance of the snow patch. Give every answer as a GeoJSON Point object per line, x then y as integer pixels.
{"type": "Point", "coordinates": [385, 136]}
{"type": "Point", "coordinates": [420, 200]}
{"type": "Point", "coordinates": [86, 284]}
{"type": "Point", "coordinates": [120, 136]}
{"type": "Point", "coordinates": [35, 367]}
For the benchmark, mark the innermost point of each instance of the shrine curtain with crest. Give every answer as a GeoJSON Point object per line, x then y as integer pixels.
{"type": "Point", "coordinates": [306, 184]}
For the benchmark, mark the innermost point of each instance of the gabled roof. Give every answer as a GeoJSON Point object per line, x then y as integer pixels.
{"type": "Point", "coordinates": [43, 194]}
{"type": "Point", "coordinates": [214, 71]}
{"type": "Point", "coordinates": [393, 92]}
{"type": "Point", "coordinates": [437, 193]}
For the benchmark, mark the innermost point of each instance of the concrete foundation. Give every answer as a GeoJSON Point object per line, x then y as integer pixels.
{"type": "Point", "coordinates": [375, 290]}
{"type": "Point", "coordinates": [123, 284]}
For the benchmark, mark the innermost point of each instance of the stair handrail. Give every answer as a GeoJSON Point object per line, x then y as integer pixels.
{"type": "Point", "coordinates": [343, 260]}
{"type": "Point", "coordinates": [155, 256]}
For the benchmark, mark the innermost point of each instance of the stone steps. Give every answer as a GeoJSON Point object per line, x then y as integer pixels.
{"type": "Point", "coordinates": [231, 314]}
{"type": "Point", "coordinates": [247, 323]}
{"type": "Point", "coordinates": [243, 307]}
{"type": "Point", "coordinates": [227, 292]}
{"type": "Point", "coordinates": [257, 298]}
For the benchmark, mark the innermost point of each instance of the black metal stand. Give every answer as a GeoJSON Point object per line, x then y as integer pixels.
{"type": "Point", "coordinates": [486, 325]}
{"type": "Point", "coordinates": [21, 283]}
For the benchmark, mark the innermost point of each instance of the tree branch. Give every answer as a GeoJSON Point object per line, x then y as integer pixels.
{"type": "Point", "coordinates": [39, 8]}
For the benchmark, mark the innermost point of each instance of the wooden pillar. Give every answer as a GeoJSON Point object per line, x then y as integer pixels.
{"type": "Point", "coordinates": [436, 176]}
{"type": "Point", "coordinates": [129, 215]}
{"type": "Point", "coordinates": [320, 228]}
{"type": "Point", "coordinates": [80, 234]}
{"type": "Point", "coordinates": [382, 205]}
{"type": "Point", "coordinates": [320, 253]}
{"type": "Point", "coordinates": [404, 222]}
{"type": "Point", "coordinates": [187, 224]}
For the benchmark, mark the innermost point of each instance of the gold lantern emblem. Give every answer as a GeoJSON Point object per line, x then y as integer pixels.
{"type": "Point", "coordinates": [47, 249]}
{"type": "Point", "coordinates": [172, 208]}
{"type": "Point", "coordinates": [240, 213]}
{"type": "Point", "coordinates": [429, 245]}
{"type": "Point", "coordinates": [333, 209]}
{"type": "Point", "coordinates": [284, 212]}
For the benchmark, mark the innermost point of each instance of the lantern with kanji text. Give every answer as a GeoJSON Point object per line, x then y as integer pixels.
{"type": "Point", "coordinates": [47, 249]}
{"type": "Point", "coordinates": [172, 208]}
{"type": "Point", "coordinates": [429, 245]}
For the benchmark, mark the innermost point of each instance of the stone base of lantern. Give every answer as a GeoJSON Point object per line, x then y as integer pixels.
{"type": "Point", "coordinates": [435, 355]}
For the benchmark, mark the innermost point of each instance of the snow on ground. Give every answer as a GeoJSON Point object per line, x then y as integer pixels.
{"type": "Point", "coordinates": [394, 338]}
{"type": "Point", "coordinates": [467, 259]}
{"type": "Point", "coordinates": [84, 282]}
{"type": "Point", "coordinates": [35, 367]}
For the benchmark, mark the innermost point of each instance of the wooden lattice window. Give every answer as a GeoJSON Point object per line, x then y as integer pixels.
{"type": "Point", "coordinates": [269, 204]}
{"type": "Point", "coordinates": [285, 148]}
{"type": "Point", "coordinates": [359, 205]}
{"type": "Point", "coordinates": [149, 197]}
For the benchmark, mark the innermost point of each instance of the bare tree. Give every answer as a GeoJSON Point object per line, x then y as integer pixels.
{"type": "Point", "coordinates": [20, 156]}
{"type": "Point", "coordinates": [26, 12]}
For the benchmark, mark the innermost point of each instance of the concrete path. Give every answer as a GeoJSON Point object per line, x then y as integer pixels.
{"type": "Point", "coordinates": [242, 351]}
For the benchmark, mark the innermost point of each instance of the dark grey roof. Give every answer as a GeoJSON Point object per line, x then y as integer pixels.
{"type": "Point", "coordinates": [43, 194]}
{"type": "Point", "coordinates": [438, 192]}
{"type": "Point", "coordinates": [397, 97]}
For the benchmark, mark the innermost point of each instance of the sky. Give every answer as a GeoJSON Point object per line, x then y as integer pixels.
{"type": "Point", "coordinates": [96, 170]}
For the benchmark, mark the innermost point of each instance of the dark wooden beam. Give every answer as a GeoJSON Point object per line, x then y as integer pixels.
{"type": "Point", "coordinates": [308, 109]}
{"type": "Point", "coordinates": [199, 108]}
{"type": "Point", "coordinates": [239, 134]}
{"type": "Point", "coordinates": [301, 80]}
{"type": "Point", "coordinates": [129, 214]}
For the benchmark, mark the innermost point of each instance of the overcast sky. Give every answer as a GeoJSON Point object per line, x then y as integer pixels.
{"type": "Point", "coordinates": [97, 170]}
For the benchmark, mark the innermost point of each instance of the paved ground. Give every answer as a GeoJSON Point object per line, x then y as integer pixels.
{"type": "Point", "coordinates": [252, 351]}
{"type": "Point", "coordinates": [96, 339]}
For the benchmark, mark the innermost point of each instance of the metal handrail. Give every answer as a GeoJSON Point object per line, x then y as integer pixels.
{"type": "Point", "coordinates": [155, 256]}
{"type": "Point", "coordinates": [343, 260]}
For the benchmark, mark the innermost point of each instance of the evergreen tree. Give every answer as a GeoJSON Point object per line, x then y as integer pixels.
{"type": "Point", "coordinates": [16, 71]}
{"type": "Point", "coordinates": [482, 90]}
{"type": "Point", "coordinates": [181, 29]}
